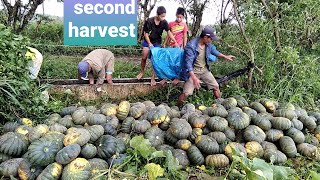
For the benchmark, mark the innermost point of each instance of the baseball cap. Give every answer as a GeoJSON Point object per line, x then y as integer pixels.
{"type": "Point", "coordinates": [210, 32]}
{"type": "Point", "coordinates": [83, 68]}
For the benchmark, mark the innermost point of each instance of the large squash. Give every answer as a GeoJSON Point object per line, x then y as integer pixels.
{"type": "Point", "coordinates": [238, 120]}
{"type": "Point", "coordinates": [229, 103]}
{"type": "Point", "coordinates": [254, 133]}
{"type": "Point", "coordinates": [88, 151]}
{"type": "Point", "coordinates": [288, 146]}
{"type": "Point", "coordinates": [157, 115]}
{"type": "Point", "coordinates": [287, 113]}
{"type": "Point", "coordinates": [196, 120]}
{"type": "Point", "coordinates": [187, 108]}
{"type": "Point", "coordinates": [149, 105]}
{"type": "Point", "coordinates": [262, 120]}
{"type": "Point", "coordinates": [281, 123]}
{"type": "Point", "coordinates": [123, 110]}
{"type": "Point", "coordinates": [10, 167]}
{"type": "Point", "coordinates": [108, 145]}
{"type": "Point", "coordinates": [217, 160]}
{"type": "Point", "coordinates": [4, 157]}
{"type": "Point", "coordinates": [79, 169]}
{"type": "Point", "coordinates": [13, 144]}
{"type": "Point", "coordinates": [296, 135]}
{"type": "Point", "coordinates": [52, 119]}
{"type": "Point", "coordinates": [274, 135]}
{"type": "Point", "coordinates": [113, 120]}
{"type": "Point", "coordinates": [66, 121]}
{"type": "Point", "coordinates": [79, 136]}
{"type": "Point", "coordinates": [155, 136]}
{"type": "Point", "coordinates": [207, 144]}
{"type": "Point", "coordinates": [235, 147]}
{"type": "Point", "coordinates": [27, 172]}
{"type": "Point", "coordinates": [180, 129]}
{"type": "Point", "coordinates": [137, 110]}
{"type": "Point", "coordinates": [254, 149]}
{"type": "Point", "coordinates": [52, 172]}
{"type": "Point", "coordinates": [97, 119]}
{"type": "Point", "coordinates": [297, 124]}
{"type": "Point", "coordinates": [96, 131]}
{"type": "Point", "coordinates": [217, 123]}
{"type": "Point", "coordinates": [216, 110]}
{"type": "Point", "coordinates": [195, 155]}
{"type": "Point", "coordinates": [58, 127]}
{"type": "Point", "coordinates": [109, 129]}
{"type": "Point", "coordinates": [80, 117]}
{"type": "Point", "coordinates": [170, 138]}
{"type": "Point", "coordinates": [249, 111]}
{"type": "Point", "coordinates": [141, 126]}
{"type": "Point", "coordinates": [68, 154]}
{"type": "Point", "coordinates": [108, 109]}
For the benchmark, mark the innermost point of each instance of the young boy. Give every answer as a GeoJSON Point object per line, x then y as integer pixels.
{"type": "Point", "coordinates": [153, 29]}
{"type": "Point", "coordinates": [179, 30]}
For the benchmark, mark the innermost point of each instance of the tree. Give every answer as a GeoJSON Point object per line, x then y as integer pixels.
{"type": "Point", "coordinates": [19, 14]}
{"type": "Point", "coordinates": [145, 8]}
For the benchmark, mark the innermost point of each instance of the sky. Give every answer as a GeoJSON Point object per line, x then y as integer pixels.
{"type": "Point", "coordinates": [210, 16]}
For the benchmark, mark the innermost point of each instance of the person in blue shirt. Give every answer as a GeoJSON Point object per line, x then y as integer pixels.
{"type": "Point", "coordinates": [196, 64]}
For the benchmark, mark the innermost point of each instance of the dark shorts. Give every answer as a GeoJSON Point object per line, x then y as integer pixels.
{"type": "Point", "coordinates": [145, 44]}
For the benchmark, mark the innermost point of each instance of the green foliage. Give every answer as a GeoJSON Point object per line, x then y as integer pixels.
{"type": "Point", "coordinates": [154, 170]}
{"type": "Point", "coordinates": [21, 97]}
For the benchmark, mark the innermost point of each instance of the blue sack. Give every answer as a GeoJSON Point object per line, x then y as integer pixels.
{"type": "Point", "coordinates": [166, 62]}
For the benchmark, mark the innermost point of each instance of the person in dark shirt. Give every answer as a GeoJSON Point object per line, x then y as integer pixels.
{"type": "Point", "coordinates": [152, 30]}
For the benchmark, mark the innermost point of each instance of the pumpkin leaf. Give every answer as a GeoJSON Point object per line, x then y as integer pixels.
{"type": "Point", "coordinates": [282, 172]}
{"type": "Point", "coordinates": [314, 175]}
{"type": "Point", "coordinates": [172, 162]}
{"type": "Point", "coordinates": [143, 146]}
{"type": "Point", "coordinates": [261, 165]}
{"type": "Point", "coordinates": [154, 170]}
{"type": "Point", "coordinates": [157, 154]}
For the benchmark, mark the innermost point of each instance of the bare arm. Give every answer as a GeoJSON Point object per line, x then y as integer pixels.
{"type": "Point", "coordinates": [185, 39]}
{"type": "Point", "coordinates": [172, 37]}
{"type": "Point", "coordinates": [166, 41]}
{"type": "Point", "coordinates": [146, 37]}
{"type": "Point", "coordinates": [227, 57]}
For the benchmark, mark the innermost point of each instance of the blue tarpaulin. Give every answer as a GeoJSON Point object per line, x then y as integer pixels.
{"type": "Point", "coordinates": [166, 62]}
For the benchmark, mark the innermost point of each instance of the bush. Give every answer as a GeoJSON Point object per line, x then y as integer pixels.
{"type": "Point", "coordinates": [20, 97]}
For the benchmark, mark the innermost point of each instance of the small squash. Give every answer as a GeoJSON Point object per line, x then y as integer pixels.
{"type": "Point", "coordinates": [155, 136]}
{"type": "Point", "coordinates": [13, 144]}
{"type": "Point", "coordinates": [220, 137]}
{"type": "Point", "coordinates": [107, 146]}
{"type": "Point", "coordinates": [97, 119]}
{"type": "Point", "coordinates": [317, 132]}
{"type": "Point", "coordinates": [275, 156]}
{"type": "Point", "coordinates": [229, 103]}
{"type": "Point", "coordinates": [66, 121]}
{"type": "Point", "coordinates": [195, 156]}
{"type": "Point", "coordinates": [254, 149]}
{"type": "Point", "coordinates": [137, 110]}
{"type": "Point", "coordinates": [52, 171]}
{"type": "Point", "coordinates": [170, 138]}
{"type": "Point", "coordinates": [268, 104]}
{"type": "Point", "coordinates": [182, 157]}
{"type": "Point", "coordinates": [10, 127]}
{"type": "Point", "coordinates": [37, 132]}
{"type": "Point", "coordinates": [216, 110]}
{"type": "Point", "coordinates": [197, 121]}
{"type": "Point", "coordinates": [309, 122]}
{"type": "Point", "coordinates": [108, 109]}
{"type": "Point", "coordinates": [230, 134]}
{"type": "Point", "coordinates": [123, 110]}
{"type": "Point", "coordinates": [165, 124]}
{"type": "Point", "coordinates": [80, 117]}
{"type": "Point", "coordinates": [262, 120]}
{"type": "Point", "coordinates": [68, 110]}
{"type": "Point", "coordinates": [68, 154]}
{"type": "Point", "coordinates": [286, 113]}
{"type": "Point", "coordinates": [157, 115]}
{"type": "Point", "coordinates": [97, 165]}
{"type": "Point", "coordinates": [274, 135]}
{"type": "Point", "coordinates": [296, 135]}
{"type": "Point", "coordinates": [113, 120]}
{"type": "Point", "coordinates": [183, 144]}
{"type": "Point", "coordinates": [249, 111]}
{"type": "Point", "coordinates": [217, 160]}
{"type": "Point", "coordinates": [4, 157]}
{"type": "Point", "coordinates": [241, 102]}
{"type": "Point", "coordinates": [207, 144]}
{"type": "Point", "coordinates": [181, 129]}
{"type": "Point", "coordinates": [53, 118]}
{"type": "Point", "coordinates": [10, 167]}
{"type": "Point", "coordinates": [297, 124]}
{"type": "Point", "coordinates": [88, 151]}
{"type": "Point", "coordinates": [26, 171]}
{"type": "Point", "coordinates": [281, 123]}
{"type": "Point", "coordinates": [91, 109]}
{"type": "Point", "coordinates": [79, 169]}
{"type": "Point", "coordinates": [237, 147]}
{"type": "Point", "coordinates": [141, 126]}
{"type": "Point", "coordinates": [58, 127]}
{"type": "Point", "coordinates": [187, 108]}
{"type": "Point", "coordinates": [109, 129]}
{"type": "Point", "coordinates": [254, 133]}
{"type": "Point", "coordinates": [165, 148]}
{"type": "Point", "coordinates": [79, 136]}
{"type": "Point", "coordinates": [268, 145]}
{"type": "Point", "coordinates": [238, 120]}
{"type": "Point", "coordinates": [25, 121]}
{"type": "Point", "coordinates": [195, 133]}
{"type": "Point", "coordinates": [316, 115]}
{"type": "Point", "coordinates": [288, 146]}
{"type": "Point", "coordinates": [149, 105]}
{"type": "Point", "coordinates": [258, 107]}
{"type": "Point", "coordinates": [217, 123]}
{"type": "Point", "coordinates": [95, 131]}
{"type": "Point", "coordinates": [127, 125]}
{"type": "Point", "coordinates": [24, 130]}
{"type": "Point", "coordinates": [308, 150]}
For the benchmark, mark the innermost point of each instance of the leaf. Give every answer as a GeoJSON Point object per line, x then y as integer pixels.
{"type": "Point", "coordinates": [143, 146]}
{"type": "Point", "coordinates": [281, 172]}
{"type": "Point", "coordinates": [157, 154]}
{"type": "Point", "coordinates": [172, 162]}
{"type": "Point", "coordinates": [265, 168]}
{"type": "Point", "coordinates": [314, 175]}
{"type": "Point", "coordinates": [154, 170]}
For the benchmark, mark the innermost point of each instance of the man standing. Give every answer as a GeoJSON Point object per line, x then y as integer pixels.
{"type": "Point", "coordinates": [196, 64]}
{"type": "Point", "coordinates": [98, 63]}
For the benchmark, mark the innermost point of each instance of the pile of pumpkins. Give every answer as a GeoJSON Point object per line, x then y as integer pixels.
{"type": "Point", "coordinates": [81, 142]}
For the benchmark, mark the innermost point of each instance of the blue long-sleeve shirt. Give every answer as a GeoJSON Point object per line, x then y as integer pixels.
{"type": "Point", "coordinates": [190, 56]}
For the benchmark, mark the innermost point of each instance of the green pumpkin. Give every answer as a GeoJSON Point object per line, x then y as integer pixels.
{"type": "Point", "coordinates": [10, 127]}
{"type": "Point", "coordinates": [26, 171]}
{"type": "Point", "coordinates": [88, 151]}
{"type": "Point", "coordinates": [137, 110]}
{"type": "Point", "coordinates": [231, 136]}
{"type": "Point", "coordinates": [308, 122]}
{"type": "Point", "coordinates": [108, 109]}
{"type": "Point", "coordinates": [97, 165]}
{"type": "Point", "coordinates": [237, 147]}
{"type": "Point", "coordinates": [79, 169]}
{"type": "Point", "coordinates": [165, 148]}
{"type": "Point", "coordinates": [181, 129]}
{"type": "Point", "coordinates": [206, 130]}
{"type": "Point", "coordinates": [217, 123]}
{"type": "Point", "coordinates": [4, 157]}
{"type": "Point", "coordinates": [270, 105]}
{"type": "Point", "coordinates": [195, 133]}
{"type": "Point", "coordinates": [95, 131]}
{"type": "Point", "coordinates": [58, 127]}
{"type": "Point", "coordinates": [286, 113]}
{"type": "Point", "coordinates": [241, 102]}
{"type": "Point", "coordinates": [254, 133]}
{"type": "Point", "coordinates": [42, 152]}
{"type": "Point", "coordinates": [13, 144]}
{"type": "Point", "coordinates": [68, 110]}
{"type": "Point", "coordinates": [108, 145]}
{"type": "Point", "coordinates": [165, 124]}
{"type": "Point", "coordinates": [258, 107]}
{"type": "Point", "coordinates": [308, 150]}
{"type": "Point", "coordinates": [296, 135]}
{"type": "Point", "coordinates": [91, 109]}
{"type": "Point", "coordinates": [268, 145]}
{"type": "Point", "coordinates": [196, 120]}
{"type": "Point", "coordinates": [218, 101]}
{"type": "Point", "coordinates": [187, 108]}
{"type": "Point", "coordinates": [288, 146]}
{"type": "Point", "coordinates": [24, 130]}
{"type": "Point", "coordinates": [141, 126]}
{"type": "Point", "coordinates": [37, 132]}
{"type": "Point", "coordinates": [117, 160]}
{"type": "Point", "coordinates": [297, 124]}
{"type": "Point", "coordinates": [79, 136]}
{"type": "Point", "coordinates": [276, 156]}
{"type": "Point", "coordinates": [157, 115]}
{"type": "Point", "coordinates": [262, 120]}
{"type": "Point", "coordinates": [53, 118]}
{"type": "Point", "coordinates": [229, 103]}
{"type": "Point", "coordinates": [195, 156]}
{"type": "Point", "coordinates": [220, 137]}
{"type": "Point", "coordinates": [217, 161]}
{"type": "Point", "coordinates": [55, 137]}
{"type": "Point", "coordinates": [183, 144]}
{"type": "Point", "coordinates": [10, 167]}
{"type": "Point", "coordinates": [52, 171]}
{"type": "Point", "coordinates": [254, 149]}
{"type": "Point", "coordinates": [68, 154]}
{"type": "Point", "coordinates": [66, 121]}
{"type": "Point", "coordinates": [124, 137]}
{"type": "Point", "coordinates": [216, 110]}
{"type": "Point", "coordinates": [273, 135]}
{"type": "Point", "coordinates": [238, 120]}
{"type": "Point", "coordinates": [207, 144]}
{"type": "Point", "coordinates": [281, 123]}
{"type": "Point", "coordinates": [80, 117]}
{"type": "Point", "coordinates": [182, 157]}
{"type": "Point", "coordinates": [113, 120]}
{"type": "Point", "coordinates": [155, 136]}
{"type": "Point", "coordinates": [300, 112]}
{"type": "Point", "coordinates": [317, 132]}
{"type": "Point", "coordinates": [109, 129]}
{"type": "Point", "coordinates": [169, 137]}
{"type": "Point", "coordinates": [249, 111]}
{"type": "Point", "coordinates": [123, 110]}
{"type": "Point", "coordinates": [316, 115]}
{"type": "Point", "coordinates": [149, 105]}
{"type": "Point", "coordinates": [127, 125]}
{"type": "Point", "coordinates": [97, 119]}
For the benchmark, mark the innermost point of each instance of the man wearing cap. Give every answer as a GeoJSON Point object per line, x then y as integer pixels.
{"type": "Point", "coordinates": [99, 63]}
{"type": "Point", "coordinates": [196, 64]}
